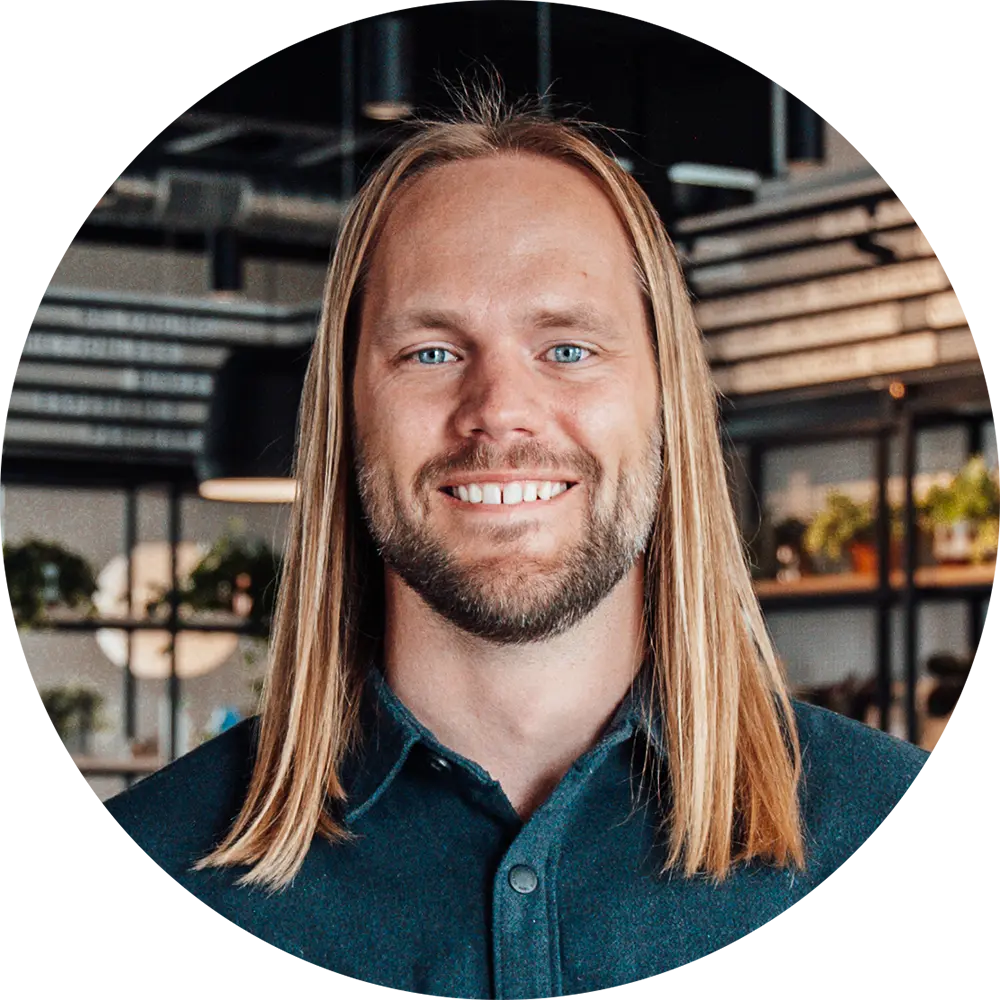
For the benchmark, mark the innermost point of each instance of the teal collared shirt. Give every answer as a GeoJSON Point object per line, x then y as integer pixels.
{"type": "Point", "coordinates": [445, 890]}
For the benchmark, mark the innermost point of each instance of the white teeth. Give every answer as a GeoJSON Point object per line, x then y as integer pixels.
{"type": "Point", "coordinates": [513, 493]}
{"type": "Point", "coordinates": [510, 494]}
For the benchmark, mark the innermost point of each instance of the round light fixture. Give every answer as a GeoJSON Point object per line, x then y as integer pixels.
{"type": "Point", "coordinates": [196, 652]}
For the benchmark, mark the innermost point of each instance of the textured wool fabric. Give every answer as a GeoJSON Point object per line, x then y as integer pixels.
{"type": "Point", "coordinates": [445, 890]}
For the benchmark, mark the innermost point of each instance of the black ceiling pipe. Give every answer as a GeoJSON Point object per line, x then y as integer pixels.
{"type": "Point", "coordinates": [805, 132]}
{"type": "Point", "coordinates": [250, 432]}
{"type": "Point", "coordinates": [226, 260]}
{"type": "Point", "coordinates": [386, 93]}
{"type": "Point", "coordinates": [543, 30]}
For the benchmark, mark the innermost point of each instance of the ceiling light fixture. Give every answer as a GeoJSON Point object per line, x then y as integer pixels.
{"type": "Point", "coordinates": [385, 65]}
{"type": "Point", "coordinates": [251, 427]}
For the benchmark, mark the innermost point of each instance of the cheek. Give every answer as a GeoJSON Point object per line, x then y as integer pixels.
{"type": "Point", "coordinates": [616, 428]}
{"type": "Point", "coordinates": [615, 419]}
{"type": "Point", "coordinates": [397, 428]}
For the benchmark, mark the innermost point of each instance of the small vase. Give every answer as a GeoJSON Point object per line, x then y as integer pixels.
{"type": "Point", "coordinates": [953, 542]}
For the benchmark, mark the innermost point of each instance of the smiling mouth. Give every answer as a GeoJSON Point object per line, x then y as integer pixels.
{"type": "Point", "coordinates": [508, 494]}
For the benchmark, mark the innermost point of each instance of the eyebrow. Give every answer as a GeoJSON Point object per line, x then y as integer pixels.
{"type": "Point", "coordinates": [579, 316]}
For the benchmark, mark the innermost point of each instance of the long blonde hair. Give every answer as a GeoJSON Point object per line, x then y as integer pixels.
{"type": "Point", "coordinates": [731, 752]}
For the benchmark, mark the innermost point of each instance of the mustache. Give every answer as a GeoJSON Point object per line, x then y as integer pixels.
{"type": "Point", "coordinates": [481, 459]}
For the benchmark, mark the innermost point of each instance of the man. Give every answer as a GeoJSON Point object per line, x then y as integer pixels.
{"type": "Point", "coordinates": [523, 733]}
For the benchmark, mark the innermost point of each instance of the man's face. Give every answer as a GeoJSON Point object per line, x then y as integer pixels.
{"type": "Point", "coordinates": [505, 401]}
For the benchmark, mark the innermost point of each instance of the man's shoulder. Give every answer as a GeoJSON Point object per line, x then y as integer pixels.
{"type": "Point", "coordinates": [852, 778]}
{"type": "Point", "coordinates": [181, 811]}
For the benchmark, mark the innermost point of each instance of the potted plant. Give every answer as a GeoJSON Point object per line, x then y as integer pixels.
{"type": "Point", "coordinates": [74, 712]}
{"type": "Point", "coordinates": [238, 574]}
{"type": "Point", "coordinates": [43, 576]}
{"type": "Point", "coordinates": [846, 529]}
{"type": "Point", "coordinates": [842, 528]}
{"type": "Point", "coordinates": [864, 546]}
{"type": "Point", "coordinates": [963, 515]}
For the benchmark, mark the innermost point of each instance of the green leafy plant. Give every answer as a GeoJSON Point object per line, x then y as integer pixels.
{"type": "Point", "coordinates": [42, 575]}
{"type": "Point", "coordinates": [972, 495]}
{"type": "Point", "coordinates": [987, 541]}
{"type": "Point", "coordinates": [238, 573]}
{"type": "Point", "coordinates": [74, 711]}
{"type": "Point", "coordinates": [840, 522]}
{"type": "Point", "coordinates": [843, 522]}
{"type": "Point", "coordinates": [866, 534]}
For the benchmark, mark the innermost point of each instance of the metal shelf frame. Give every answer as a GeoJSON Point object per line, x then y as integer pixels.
{"type": "Point", "coordinates": [49, 474]}
{"type": "Point", "coordinates": [876, 416]}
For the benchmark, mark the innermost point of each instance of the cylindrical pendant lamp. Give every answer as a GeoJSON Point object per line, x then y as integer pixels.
{"type": "Point", "coordinates": [250, 432]}
{"type": "Point", "coordinates": [385, 68]}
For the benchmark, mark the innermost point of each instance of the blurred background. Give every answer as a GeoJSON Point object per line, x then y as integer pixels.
{"type": "Point", "coordinates": [147, 445]}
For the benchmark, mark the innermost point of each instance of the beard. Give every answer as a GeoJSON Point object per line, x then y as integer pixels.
{"type": "Point", "coordinates": [515, 599]}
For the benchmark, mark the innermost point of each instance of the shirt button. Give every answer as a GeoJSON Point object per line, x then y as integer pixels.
{"type": "Point", "coordinates": [439, 764]}
{"type": "Point", "coordinates": [523, 879]}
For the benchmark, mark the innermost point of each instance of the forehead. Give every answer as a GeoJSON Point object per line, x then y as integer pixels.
{"type": "Point", "coordinates": [519, 222]}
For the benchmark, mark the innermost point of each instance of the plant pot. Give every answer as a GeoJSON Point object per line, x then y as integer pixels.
{"type": "Point", "coordinates": [952, 543]}
{"type": "Point", "coordinates": [864, 556]}
{"type": "Point", "coordinates": [77, 741]}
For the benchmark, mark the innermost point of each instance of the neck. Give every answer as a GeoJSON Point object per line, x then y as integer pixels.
{"type": "Point", "coordinates": [525, 713]}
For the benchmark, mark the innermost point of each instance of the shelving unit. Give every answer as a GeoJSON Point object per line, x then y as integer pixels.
{"type": "Point", "coordinates": [878, 417]}
{"type": "Point", "coordinates": [827, 318]}
{"type": "Point", "coordinates": [112, 395]}
{"type": "Point", "coordinates": [120, 477]}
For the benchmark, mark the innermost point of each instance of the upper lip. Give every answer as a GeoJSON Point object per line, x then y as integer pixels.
{"type": "Point", "coordinates": [464, 479]}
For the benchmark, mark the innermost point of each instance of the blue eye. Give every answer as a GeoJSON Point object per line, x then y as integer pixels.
{"type": "Point", "coordinates": [568, 353]}
{"type": "Point", "coordinates": [432, 356]}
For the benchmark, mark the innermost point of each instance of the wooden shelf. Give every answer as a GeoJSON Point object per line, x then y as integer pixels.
{"type": "Point", "coordinates": [206, 622]}
{"type": "Point", "coordinates": [115, 767]}
{"type": "Point", "coordinates": [925, 578]}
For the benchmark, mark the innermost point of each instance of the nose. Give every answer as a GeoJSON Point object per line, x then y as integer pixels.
{"type": "Point", "coordinates": [501, 399]}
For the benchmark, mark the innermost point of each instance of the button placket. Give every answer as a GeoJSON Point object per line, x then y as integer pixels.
{"type": "Point", "coordinates": [526, 941]}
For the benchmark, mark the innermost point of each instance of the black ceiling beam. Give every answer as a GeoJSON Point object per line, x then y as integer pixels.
{"type": "Point", "coordinates": [195, 242]}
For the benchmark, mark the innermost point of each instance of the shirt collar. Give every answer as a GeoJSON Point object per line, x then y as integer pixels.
{"type": "Point", "coordinates": [389, 731]}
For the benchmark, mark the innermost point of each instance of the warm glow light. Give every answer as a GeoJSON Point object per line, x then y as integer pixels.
{"type": "Point", "coordinates": [387, 111]}
{"type": "Point", "coordinates": [897, 390]}
{"type": "Point", "coordinates": [197, 652]}
{"type": "Point", "coordinates": [275, 490]}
